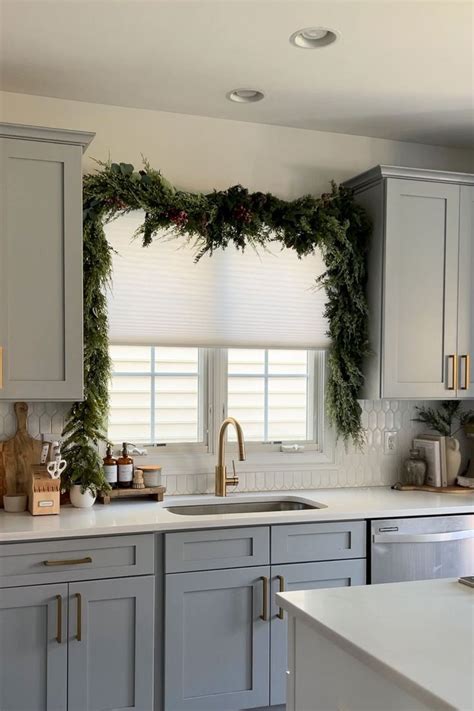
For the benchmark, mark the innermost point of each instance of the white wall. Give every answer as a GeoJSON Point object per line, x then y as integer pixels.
{"type": "Point", "coordinates": [199, 153]}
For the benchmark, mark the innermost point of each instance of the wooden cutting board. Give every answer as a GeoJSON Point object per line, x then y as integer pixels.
{"type": "Point", "coordinates": [434, 489]}
{"type": "Point", "coordinates": [17, 455]}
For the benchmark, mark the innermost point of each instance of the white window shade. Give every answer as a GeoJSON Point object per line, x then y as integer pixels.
{"type": "Point", "coordinates": [159, 296]}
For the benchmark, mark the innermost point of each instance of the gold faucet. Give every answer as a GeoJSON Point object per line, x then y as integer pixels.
{"type": "Point", "coordinates": [222, 480]}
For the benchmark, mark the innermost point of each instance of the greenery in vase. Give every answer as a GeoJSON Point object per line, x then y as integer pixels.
{"type": "Point", "coordinates": [448, 419]}
{"type": "Point", "coordinates": [333, 223]}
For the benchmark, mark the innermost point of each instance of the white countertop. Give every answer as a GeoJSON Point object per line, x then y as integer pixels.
{"type": "Point", "coordinates": [421, 632]}
{"type": "Point", "coordinates": [141, 517]}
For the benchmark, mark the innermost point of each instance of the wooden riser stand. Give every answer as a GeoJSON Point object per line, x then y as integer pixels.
{"type": "Point", "coordinates": [151, 492]}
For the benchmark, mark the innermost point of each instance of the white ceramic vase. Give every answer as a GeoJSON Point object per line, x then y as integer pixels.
{"type": "Point", "coordinates": [81, 500]}
{"type": "Point", "coordinates": [453, 459]}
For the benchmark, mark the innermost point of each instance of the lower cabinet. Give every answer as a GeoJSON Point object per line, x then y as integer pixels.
{"type": "Point", "coordinates": [33, 648]}
{"type": "Point", "coordinates": [84, 646]}
{"type": "Point", "coordinates": [111, 642]}
{"type": "Point", "coordinates": [217, 639]}
{"type": "Point", "coordinates": [225, 638]}
{"type": "Point", "coordinates": [302, 576]}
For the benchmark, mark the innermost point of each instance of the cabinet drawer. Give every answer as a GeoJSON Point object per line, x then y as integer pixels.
{"type": "Point", "coordinates": [75, 559]}
{"type": "Point", "coordinates": [318, 541]}
{"type": "Point", "coordinates": [214, 549]}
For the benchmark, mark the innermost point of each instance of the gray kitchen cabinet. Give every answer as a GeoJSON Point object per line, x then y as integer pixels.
{"type": "Point", "coordinates": [466, 293]}
{"type": "Point", "coordinates": [71, 638]}
{"type": "Point", "coordinates": [41, 263]}
{"type": "Point", "coordinates": [302, 576]}
{"type": "Point", "coordinates": [225, 644]}
{"type": "Point", "coordinates": [33, 648]}
{"type": "Point", "coordinates": [111, 645]}
{"type": "Point", "coordinates": [217, 646]}
{"type": "Point", "coordinates": [420, 282]}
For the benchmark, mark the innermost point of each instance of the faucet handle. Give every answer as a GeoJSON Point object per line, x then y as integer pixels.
{"type": "Point", "coordinates": [233, 480]}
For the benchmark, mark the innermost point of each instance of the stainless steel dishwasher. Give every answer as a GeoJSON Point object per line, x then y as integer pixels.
{"type": "Point", "coordinates": [422, 548]}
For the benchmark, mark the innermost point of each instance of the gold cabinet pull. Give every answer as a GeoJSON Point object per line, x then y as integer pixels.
{"type": "Point", "coordinates": [59, 619]}
{"type": "Point", "coordinates": [71, 561]}
{"type": "Point", "coordinates": [264, 615]}
{"type": "Point", "coordinates": [1, 367]}
{"type": "Point", "coordinates": [79, 617]}
{"type": "Point", "coordinates": [467, 367]}
{"type": "Point", "coordinates": [281, 580]}
{"type": "Point", "coordinates": [454, 363]}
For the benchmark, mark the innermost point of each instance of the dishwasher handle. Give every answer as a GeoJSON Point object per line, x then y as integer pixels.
{"type": "Point", "coordinates": [422, 537]}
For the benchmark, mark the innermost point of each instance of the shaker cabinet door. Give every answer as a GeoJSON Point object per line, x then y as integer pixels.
{"type": "Point", "coordinates": [40, 271]}
{"type": "Point", "coordinates": [216, 644]}
{"type": "Point", "coordinates": [421, 289]}
{"type": "Point", "coordinates": [111, 643]}
{"type": "Point", "coordinates": [33, 648]}
{"type": "Point", "coordinates": [466, 294]}
{"type": "Point", "coordinates": [302, 576]}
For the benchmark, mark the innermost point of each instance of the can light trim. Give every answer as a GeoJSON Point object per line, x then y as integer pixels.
{"type": "Point", "coordinates": [245, 96]}
{"type": "Point", "coordinates": [313, 37]}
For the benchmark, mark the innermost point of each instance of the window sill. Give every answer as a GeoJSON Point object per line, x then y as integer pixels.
{"type": "Point", "coordinates": [198, 463]}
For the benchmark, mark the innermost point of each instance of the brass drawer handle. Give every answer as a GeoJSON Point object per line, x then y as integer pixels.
{"type": "Point", "coordinates": [71, 561]}
{"type": "Point", "coordinates": [264, 615]}
{"type": "Point", "coordinates": [467, 367]}
{"type": "Point", "coordinates": [79, 617]}
{"type": "Point", "coordinates": [59, 619]}
{"type": "Point", "coordinates": [454, 361]}
{"type": "Point", "coordinates": [1, 367]}
{"type": "Point", "coordinates": [281, 612]}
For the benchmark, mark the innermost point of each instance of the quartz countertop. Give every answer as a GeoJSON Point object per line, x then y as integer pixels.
{"type": "Point", "coordinates": [132, 516]}
{"type": "Point", "coordinates": [420, 633]}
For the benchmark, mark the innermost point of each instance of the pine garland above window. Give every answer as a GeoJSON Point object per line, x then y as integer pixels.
{"type": "Point", "coordinates": [333, 222]}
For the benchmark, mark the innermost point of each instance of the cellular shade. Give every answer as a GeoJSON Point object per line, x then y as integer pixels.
{"type": "Point", "coordinates": [159, 296]}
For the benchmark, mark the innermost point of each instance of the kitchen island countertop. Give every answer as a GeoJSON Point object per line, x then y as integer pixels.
{"type": "Point", "coordinates": [418, 634]}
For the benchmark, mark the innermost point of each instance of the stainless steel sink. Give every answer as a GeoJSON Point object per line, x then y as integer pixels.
{"type": "Point", "coordinates": [236, 507]}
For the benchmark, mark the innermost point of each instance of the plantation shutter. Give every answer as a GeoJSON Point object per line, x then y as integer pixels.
{"type": "Point", "coordinates": [159, 296]}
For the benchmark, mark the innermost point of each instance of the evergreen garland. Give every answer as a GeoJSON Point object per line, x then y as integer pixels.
{"type": "Point", "coordinates": [333, 222]}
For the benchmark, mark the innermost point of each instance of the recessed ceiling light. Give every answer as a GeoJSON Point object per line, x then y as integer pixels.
{"type": "Point", "coordinates": [313, 37]}
{"type": "Point", "coordinates": [245, 96]}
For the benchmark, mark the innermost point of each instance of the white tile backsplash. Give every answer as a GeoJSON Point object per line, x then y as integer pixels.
{"type": "Point", "coordinates": [370, 467]}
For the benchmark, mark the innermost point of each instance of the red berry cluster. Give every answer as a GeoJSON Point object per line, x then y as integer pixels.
{"type": "Point", "coordinates": [116, 203]}
{"type": "Point", "coordinates": [242, 213]}
{"type": "Point", "coordinates": [178, 217]}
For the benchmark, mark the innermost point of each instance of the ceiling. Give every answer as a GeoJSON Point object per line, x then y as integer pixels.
{"type": "Point", "coordinates": [400, 69]}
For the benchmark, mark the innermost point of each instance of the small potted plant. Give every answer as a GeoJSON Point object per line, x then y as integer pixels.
{"type": "Point", "coordinates": [448, 419]}
{"type": "Point", "coordinates": [83, 477]}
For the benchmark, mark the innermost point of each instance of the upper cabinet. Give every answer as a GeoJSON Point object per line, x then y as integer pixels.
{"type": "Point", "coordinates": [41, 338]}
{"type": "Point", "coordinates": [421, 282]}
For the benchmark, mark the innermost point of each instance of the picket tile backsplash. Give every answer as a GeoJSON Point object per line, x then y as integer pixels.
{"type": "Point", "coordinates": [370, 467]}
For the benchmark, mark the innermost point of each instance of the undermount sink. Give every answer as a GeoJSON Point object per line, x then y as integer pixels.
{"type": "Point", "coordinates": [236, 507]}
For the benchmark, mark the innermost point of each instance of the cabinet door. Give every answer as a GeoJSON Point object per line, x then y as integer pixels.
{"type": "Point", "coordinates": [40, 270]}
{"type": "Point", "coordinates": [421, 289]}
{"type": "Point", "coordinates": [466, 294]}
{"type": "Point", "coordinates": [111, 642]}
{"type": "Point", "coordinates": [216, 644]}
{"type": "Point", "coordinates": [302, 576]}
{"type": "Point", "coordinates": [33, 648]}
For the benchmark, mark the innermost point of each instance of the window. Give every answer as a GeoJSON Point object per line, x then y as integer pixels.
{"type": "Point", "coordinates": [268, 392]}
{"type": "Point", "coordinates": [242, 333]}
{"type": "Point", "coordinates": [156, 395]}
{"type": "Point", "coordinates": [163, 395]}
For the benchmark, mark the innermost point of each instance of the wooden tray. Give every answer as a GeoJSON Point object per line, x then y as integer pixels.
{"type": "Point", "coordinates": [434, 489]}
{"type": "Point", "coordinates": [151, 492]}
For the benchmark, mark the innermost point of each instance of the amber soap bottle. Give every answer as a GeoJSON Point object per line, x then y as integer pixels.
{"type": "Point", "coordinates": [110, 468]}
{"type": "Point", "coordinates": [125, 469]}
